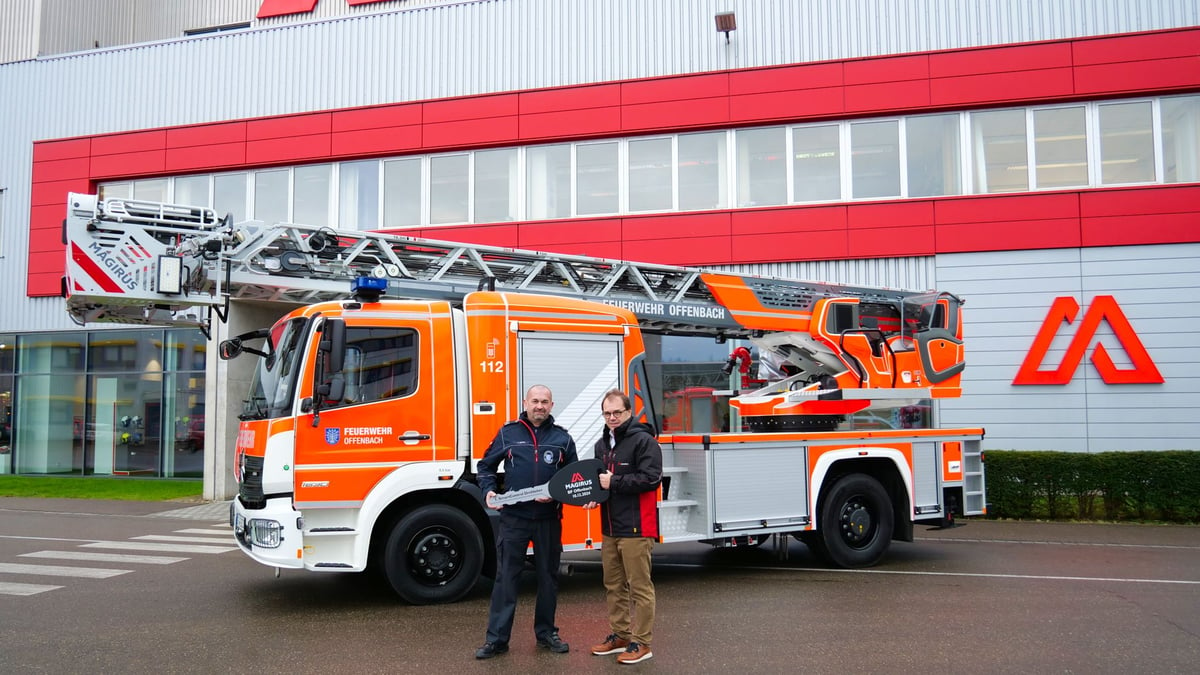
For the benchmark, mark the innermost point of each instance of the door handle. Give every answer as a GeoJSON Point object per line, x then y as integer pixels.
{"type": "Point", "coordinates": [413, 437]}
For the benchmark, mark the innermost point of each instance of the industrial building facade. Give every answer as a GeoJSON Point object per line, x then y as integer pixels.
{"type": "Point", "coordinates": [1042, 163]}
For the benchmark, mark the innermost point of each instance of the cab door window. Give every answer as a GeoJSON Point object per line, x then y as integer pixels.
{"type": "Point", "coordinates": [381, 364]}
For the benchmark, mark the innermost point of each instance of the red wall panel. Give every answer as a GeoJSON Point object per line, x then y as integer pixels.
{"type": "Point", "coordinates": [887, 96]}
{"type": "Point", "coordinates": [382, 117]}
{"type": "Point", "coordinates": [366, 142]}
{"type": "Point", "coordinates": [643, 228]}
{"type": "Point", "coordinates": [892, 242]}
{"type": "Point", "coordinates": [559, 232]}
{"type": "Point", "coordinates": [569, 124]}
{"type": "Point", "coordinates": [125, 143]}
{"type": "Point", "coordinates": [675, 114]}
{"type": "Point", "coordinates": [1016, 58]}
{"type": "Point", "coordinates": [488, 235]}
{"type": "Point", "coordinates": [684, 88]}
{"type": "Point", "coordinates": [61, 169]}
{"type": "Point", "coordinates": [1007, 235]}
{"type": "Point", "coordinates": [686, 251]}
{"type": "Point", "coordinates": [1026, 85]}
{"type": "Point", "coordinates": [44, 151]}
{"type": "Point", "coordinates": [480, 132]}
{"type": "Point", "coordinates": [289, 126]}
{"type": "Point", "coordinates": [1138, 47]}
{"type": "Point", "coordinates": [270, 8]}
{"type": "Point", "coordinates": [1130, 230]}
{"type": "Point", "coordinates": [149, 162]}
{"type": "Point", "coordinates": [783, 105]}
{"type": "Point", "coordinates": [472, 108]}
{"type": "Point", "coordinates": [791, 219]}
{"type": "Point", "coordinates": [785, 78]}
{"type": "Point", "coordinates": [288, 149]}
{"type": "Point", "coordinates": [205, 157]}
{"type": "Point", "coordinates": [790, 246]}
{"type": "Point", "coordinates": [569, 98]}
{"type": "Point", "coordinates": [1116, 78]}
{"type": "Point", "coordinates": [887, 69]}
{"type": "Point", "coordinates": [205, 134]}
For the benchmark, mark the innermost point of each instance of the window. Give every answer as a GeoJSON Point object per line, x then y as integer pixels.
{"type": "Point", "coordinates": [311, 190]}
{"type": "Point", "coordinates": [597, 177]}
{"type": "Point", "coordinates": [402, 192]}
{"type": "Point", "coordinates": [1126, 143]}
{"type": "Point", "coordinates": [271, 196]}
{"type": "Point", "coordinates": [875, 159]}
{"type": "Point", "coordinates": [1181, 139]}
{"type": "Point", "coordinates": [448, 189]}
{"type": "Point", "coordinates": [761, 169]}
{"type": "Point", "coordinates": [548, 181]}
{"type": "Point", "coordinates": [932, 151]}
{"type": "Point", "coordinates": [702, 171]}
{"type": "Point", "coordinates": [358, 195]}
{"type": "Point", "coordinates": [380, 364]}
{"type": "Point", "coordinates": [191, 190]}
{"type": "Point", "coordinates": [154, 190]}
{"type": "Point", "coordinates": [816, 163]}
{"type": "Point", "coordinates": [1001, 156]}
{"type": "Point", "coordinates": [229, 195]}
{"type": "Point", "coordinates": [651, 186]}
{"type": "Point", "coordinates": [496, 186]}
{"type": "Point", "coordinates": [1060, 147]}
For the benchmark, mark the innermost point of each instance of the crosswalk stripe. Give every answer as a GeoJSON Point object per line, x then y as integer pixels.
{"type": "Point", "coordinates": [187, 540]}
{"type": "Point", "coordinates": [25, 589]}
{"type": "Point", "coordinates": [162, 548]}
{"type": "Point", "coordinates": [104, 557]}
{"type": "Point", "coordinates": [60, 571]}
{"type": "Point", "coordinates": [197, 530]}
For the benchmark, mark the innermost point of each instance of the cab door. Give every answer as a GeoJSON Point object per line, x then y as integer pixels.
{"type": "Point", "coordinates": [394, 404]}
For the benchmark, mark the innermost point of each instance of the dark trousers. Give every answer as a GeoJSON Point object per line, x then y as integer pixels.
{"type": "Point", "coordinates": [511, 545]}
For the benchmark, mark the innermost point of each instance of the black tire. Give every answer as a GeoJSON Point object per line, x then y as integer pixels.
{"type": "Point", "coordinates": [433, 555]}
{"type": "Point", "coordinates": [856, 522]}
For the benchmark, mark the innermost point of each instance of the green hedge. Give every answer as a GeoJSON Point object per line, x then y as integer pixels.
{"type": "Point", "coordinates": [1162, 486]}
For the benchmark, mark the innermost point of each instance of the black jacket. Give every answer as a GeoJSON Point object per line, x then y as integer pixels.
{"type": "Point", "coordinates": [636, 464]}
{"type": "Point", "coordinates": [531, 455]}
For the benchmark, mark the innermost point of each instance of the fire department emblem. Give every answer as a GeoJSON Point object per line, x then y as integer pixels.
{"type": "Point", "coordinates": [333, 435]}
{"type": "Point", "coordinates": [548, 457]}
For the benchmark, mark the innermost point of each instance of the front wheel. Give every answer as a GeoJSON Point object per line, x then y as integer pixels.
{"type": "Point", "coordinates": [433, 555]}
{"type": "Point", "coordinates": [856, 522]}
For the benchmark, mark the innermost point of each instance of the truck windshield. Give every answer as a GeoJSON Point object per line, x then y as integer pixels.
{"type": "Point", "coordinates": [271, 392]}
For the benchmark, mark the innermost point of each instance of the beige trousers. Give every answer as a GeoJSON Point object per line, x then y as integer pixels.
{"type": "Point", "coordinates": [628, 589]}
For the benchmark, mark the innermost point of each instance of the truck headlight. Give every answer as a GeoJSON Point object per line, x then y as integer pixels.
{"type": "Point", "coordinates": [265, 533]}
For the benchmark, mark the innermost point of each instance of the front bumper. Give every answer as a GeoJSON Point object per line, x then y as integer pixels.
{"type": "Point", "coordinates": [271, 535]}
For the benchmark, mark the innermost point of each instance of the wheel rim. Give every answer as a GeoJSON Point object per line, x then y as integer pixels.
{"type": "Point", "coordinates": [857, 522]}
{"type": "Point", "coordinates": [434, 556]}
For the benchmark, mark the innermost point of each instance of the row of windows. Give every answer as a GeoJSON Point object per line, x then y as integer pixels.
{"type": "Point", "coordinates": [1081, 145]}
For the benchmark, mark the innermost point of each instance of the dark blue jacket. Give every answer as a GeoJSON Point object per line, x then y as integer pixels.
{"type": "Point", "coordinates": [531, 455]}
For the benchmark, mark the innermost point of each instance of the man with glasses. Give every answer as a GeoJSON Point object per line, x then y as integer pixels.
{"type": "Point", "coordinates": [629, 521]}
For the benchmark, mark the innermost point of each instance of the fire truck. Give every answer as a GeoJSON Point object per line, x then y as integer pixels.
{"type": "Point", "coordinates": [396, 360]}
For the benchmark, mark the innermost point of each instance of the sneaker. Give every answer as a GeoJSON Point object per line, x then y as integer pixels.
{"type": "Point", "coordinates": [554, 644]}
{"type": "Point", "coordinates": [611, 645]}
{"type": "Point", "coordinates": [635, 653]}
{"type": "Point", "coordinates": [490, 649]}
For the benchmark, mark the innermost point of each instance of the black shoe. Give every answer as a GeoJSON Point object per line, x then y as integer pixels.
{"type": "Point", "coordinates": [554, 644]}
{"type": "Point", "coordinates": [490, 649]}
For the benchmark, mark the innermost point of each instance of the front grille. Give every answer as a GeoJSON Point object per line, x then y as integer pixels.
{"type": "Point", "coordinates": [251, 489]}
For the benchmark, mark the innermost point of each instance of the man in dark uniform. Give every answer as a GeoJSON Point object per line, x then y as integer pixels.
{"type": "Point", "coordinates": [532, 448]}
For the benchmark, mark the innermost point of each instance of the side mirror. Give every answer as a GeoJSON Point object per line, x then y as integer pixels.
{"type": "Point", "coordinates": [333, 344]}
{"type": "Point", "coordinates": [229, 349]}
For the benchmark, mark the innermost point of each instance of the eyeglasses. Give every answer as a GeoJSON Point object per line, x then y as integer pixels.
{"type": "Point", "coordinates": [614, 413]}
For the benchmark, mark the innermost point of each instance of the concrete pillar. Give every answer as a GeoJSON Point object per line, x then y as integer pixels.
{"type": "Point", "coordinates": [227, 385]}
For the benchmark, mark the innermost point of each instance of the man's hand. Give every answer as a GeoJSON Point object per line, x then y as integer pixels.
{"type": "Point", "coordinates": [605, 480]}
{"type": "Point", "coordinates": [490, 505]}
{"type": "Point", "coordinates": [543, 500]}
{"type": "Point", "coordinates": [590, 505]}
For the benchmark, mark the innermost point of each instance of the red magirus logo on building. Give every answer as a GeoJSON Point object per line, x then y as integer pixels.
{"type": "Point", "coordinates": [270, 8]}
{"type": "Point", "coordinates": [1103, 308]}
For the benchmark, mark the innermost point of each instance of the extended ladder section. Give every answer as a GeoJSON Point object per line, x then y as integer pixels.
{"type": "Point", "coordinates": [137, 262]}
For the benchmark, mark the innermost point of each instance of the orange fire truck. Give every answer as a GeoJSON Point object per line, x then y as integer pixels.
{"type": "Point", "coordinates": [370, 407]}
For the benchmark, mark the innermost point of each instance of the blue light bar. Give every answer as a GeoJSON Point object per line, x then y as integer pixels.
{"type": "Point", "coordinates": [368, 284]}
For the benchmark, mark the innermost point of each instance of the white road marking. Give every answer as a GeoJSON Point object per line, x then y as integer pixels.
{"type": "Point", "coordinates": [1055, 543]}
{"type": "Point", "coordinates": [25, 589]}
{"type": "Point", "coordinates": [162, 548]}
{"type": "Point", "coordinates": [60, 571]}
{"type": "Point", "coordinates": [209, 532]}
{"type": "Point", "coordinates": [186, 540]}
{"type": "Point", "coordinates": [104, 557]}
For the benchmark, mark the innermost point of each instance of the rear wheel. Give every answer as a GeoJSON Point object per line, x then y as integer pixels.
{"type": "Point", "coordinates": [433, 554]}
{"type": "Point", "coordinates": [856, 522]}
